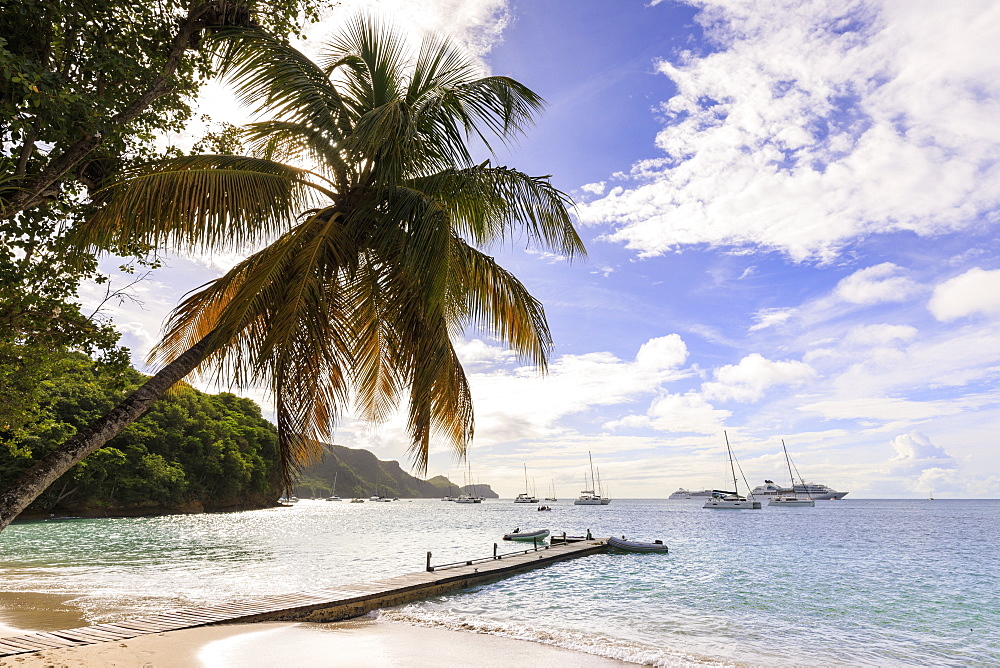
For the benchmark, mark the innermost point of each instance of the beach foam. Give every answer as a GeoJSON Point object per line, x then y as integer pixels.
{"type": "Point", "coordinates": [594, 644]}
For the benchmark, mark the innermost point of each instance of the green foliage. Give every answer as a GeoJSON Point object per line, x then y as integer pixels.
{"type": "Point", "coordinates": [216, 450]}
{"type": "Point", "coordinates": [68, 68]}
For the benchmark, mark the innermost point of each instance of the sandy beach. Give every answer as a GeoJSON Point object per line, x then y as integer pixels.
{"type": "Point", "coordinates": [362, 642]}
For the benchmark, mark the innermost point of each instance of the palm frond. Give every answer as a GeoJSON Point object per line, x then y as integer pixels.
{"type": "Point", "coordinates": [491, 298]}
{"type": "Point", "coordinates": [202, 203]}
{"type": "Point", "coordinates": [489, 204]}
{"type": "Point", "coordinates": [284, 141]}
{"type": "Point", "coordinates": [440, 397]}
{"type": "Point", "coordinates": [372, 56]}
{"type": "Point", "coordinates": [270, 76]}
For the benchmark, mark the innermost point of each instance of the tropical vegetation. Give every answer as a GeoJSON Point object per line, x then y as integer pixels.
{"type": "Point", "coordinates": [85, 88]}
{"type": "Point", "coordinates": [191, 451]}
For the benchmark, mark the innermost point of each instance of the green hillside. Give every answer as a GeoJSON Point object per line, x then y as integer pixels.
{"type": "Point", "coordinates": [359, 473]}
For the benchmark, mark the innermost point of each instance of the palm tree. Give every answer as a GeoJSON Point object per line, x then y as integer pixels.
{"type": "Point", "coordinates": [374, 258]}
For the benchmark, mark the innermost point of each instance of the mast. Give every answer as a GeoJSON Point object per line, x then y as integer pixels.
{"type": "Point", "coordinates": [600, 488]}
{"type": "Point", "coordinates": [526, 493]}
{"type": "Point", "coordinates": [736, 490]}
{"type": "Point", "coordinates": [789, 463]}
{"type": "Point", "coordinates": [592, 484]}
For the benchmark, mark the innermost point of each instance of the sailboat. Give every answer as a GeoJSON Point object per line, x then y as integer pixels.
{"type": "Point", "coordinates": [553, 497]}
{"type": "Point", "coordinates": [465, 497]}
{"type": "Point", "coordinates": [593, 496]}
{"type": "Point", "coordinates": [792, 500]}
{"type": "Point", "coordinates": [731, 501]}
{"type": "Point", "coordinates": [526, 496]}
{"type": "Point", "coordinates": [334, 497]}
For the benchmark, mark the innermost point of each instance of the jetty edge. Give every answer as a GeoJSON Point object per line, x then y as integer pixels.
{"type": "Point", "coordinates": [320, 605]}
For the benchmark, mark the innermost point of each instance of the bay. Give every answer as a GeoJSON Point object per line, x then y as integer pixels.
{"type": "Point", "coordinates": [852, 582]}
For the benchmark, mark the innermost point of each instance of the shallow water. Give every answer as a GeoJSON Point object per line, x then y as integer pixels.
{"type": "Point", "coordinates": [860, 582]}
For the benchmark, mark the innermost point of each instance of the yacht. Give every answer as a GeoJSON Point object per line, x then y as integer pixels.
{"type": "Point", "coordinates": [693, 494]}
{"type": "Point", "coordinates": [731, 500]}
{"type": "Point", "coordinates": [525, 496]}
{"type": "Point", "coordinates": [333, 496]}
{"type": "Point", "coordinates": [811, 490]}
{"type": "Point", "coordinates": [792, 500]}
{"type": "Point", "coordinates": [594, 495]}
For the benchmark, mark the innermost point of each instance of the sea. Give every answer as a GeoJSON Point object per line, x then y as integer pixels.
{"type": "Point", "coordinates": [855, 582]}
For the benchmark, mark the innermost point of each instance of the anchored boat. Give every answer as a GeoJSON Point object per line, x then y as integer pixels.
{"type": "Point", "coordinates": [637, 546]}
{"type": "Point", "coordinates": [526, 496]}
{"type": "Point", "coordinates": [595, 495]}
{"type": "Point", "coordinates": [726, 501]}
{"type": "Point", "coordinates": [791, 500]}
{"type": "Point", "coordinates": [527, 536]}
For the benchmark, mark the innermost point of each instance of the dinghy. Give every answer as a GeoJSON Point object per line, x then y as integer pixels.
{"type": "Point", "coordinates": [527, 536]}
{"type": "Point", "coordinates": [636, 546]}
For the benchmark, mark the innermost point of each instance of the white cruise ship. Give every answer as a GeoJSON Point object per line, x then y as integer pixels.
{"type": "Point", "coordinates": [809, 490]}
{"type": "Point", "coordinates": [695, 494]}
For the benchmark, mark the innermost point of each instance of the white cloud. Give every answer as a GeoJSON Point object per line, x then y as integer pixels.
{"type": "Point", "coordinates": [518, 403]}
{"type": "Point", "coordinates": [665, 352]}
{"type": "Point", "coordinates": [478, 24]}
{"type": "Point", "coordinates": [975, 291]}
{"type": "Point", "coordinates": [769, 317]}
{"type": "Point", "coordinates": [753, 375]}
{"type": "Point", "coordinates": [477, 353]}
{"type": "Point", "coordinates": [917, 447]}
{"type": "Point", "coordinates": [879, 335]}
{"type": "Point", "coordinates": [688, 412]}
{"type": "Point", "coordinates": [817, 123]}
{"type": "Point", "coordinates": [875, 285]}
{"type": "Point", "coordinates": [594, 188]}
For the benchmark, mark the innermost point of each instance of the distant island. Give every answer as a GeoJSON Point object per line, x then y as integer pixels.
{"type": "Point", "coordinates": [359, 473]}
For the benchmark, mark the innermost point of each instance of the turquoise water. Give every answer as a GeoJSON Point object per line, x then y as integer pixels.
{"type": "Point", "coordinates": [857, 582]}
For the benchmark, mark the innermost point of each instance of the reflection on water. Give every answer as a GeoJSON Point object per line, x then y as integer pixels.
{"type": "Point", "coordinates": [854, 581]}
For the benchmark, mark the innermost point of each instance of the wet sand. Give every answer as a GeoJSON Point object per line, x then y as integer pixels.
{"type": "Point", "coordinates": [360, 643]}
{"type": "Point", "coordinates": [37, 611]}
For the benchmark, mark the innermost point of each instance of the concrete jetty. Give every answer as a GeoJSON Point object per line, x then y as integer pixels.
{"type": "Point", "coordinates": [321, 605]}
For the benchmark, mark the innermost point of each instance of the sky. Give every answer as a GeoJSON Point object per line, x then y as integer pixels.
{"type": "Point", "coordinates": [791, 215]}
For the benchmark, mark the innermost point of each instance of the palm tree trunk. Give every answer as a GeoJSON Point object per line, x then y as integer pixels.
{"type": "Point", "coordinates": [53, 465]}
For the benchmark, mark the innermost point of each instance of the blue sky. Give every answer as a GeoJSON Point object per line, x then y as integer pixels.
{"type": "Point", "coordinates": [791, 214]}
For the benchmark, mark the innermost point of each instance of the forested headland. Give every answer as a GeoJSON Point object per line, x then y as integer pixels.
{"type": "Point", "coordinates": [191, 452]}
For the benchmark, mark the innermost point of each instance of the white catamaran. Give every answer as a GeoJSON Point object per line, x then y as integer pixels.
{"type": "Point", "coordinates": [732, 501]}
{"type": "Point", "coordinates": [526, 496]}
{"type": "Point", "coordinates": [791, 500]}
{"type": "Point", "coordinates": [595, 495]}
{"type": "Point", "coordinates": [334, 497]}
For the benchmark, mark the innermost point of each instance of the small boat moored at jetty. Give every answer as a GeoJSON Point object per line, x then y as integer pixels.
{"type": "Point", "coordinates": [637, 546]}
{"type": "Point", "coordinates": [527, 536]}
